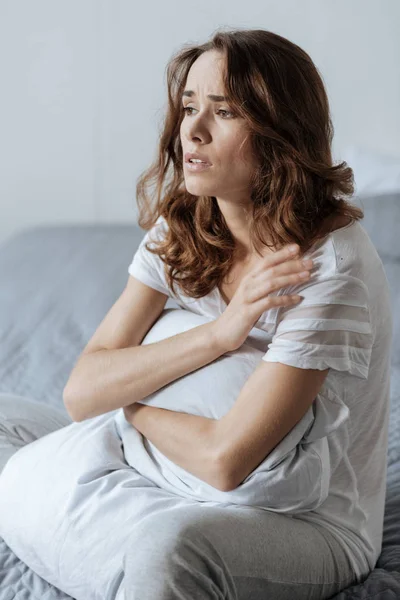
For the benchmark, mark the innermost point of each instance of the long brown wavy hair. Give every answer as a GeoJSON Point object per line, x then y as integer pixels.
{"type": "Point", "coordinates": [274, 85]}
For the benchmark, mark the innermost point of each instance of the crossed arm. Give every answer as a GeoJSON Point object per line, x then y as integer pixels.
{"type": "Point", "coordinates": [224, 452]}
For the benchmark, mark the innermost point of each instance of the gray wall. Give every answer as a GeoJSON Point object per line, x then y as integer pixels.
{"type": "Point", "coordinates": [83, 90]}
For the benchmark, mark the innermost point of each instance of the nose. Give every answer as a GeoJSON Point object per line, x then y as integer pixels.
{"type": "Point", "coordinates": [195, 129]}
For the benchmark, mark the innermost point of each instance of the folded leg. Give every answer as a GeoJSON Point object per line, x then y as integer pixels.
{"type": "Point", "coordinates": [24, 420]}
{"type": "Point", "coordinates": [231, 552]}
{"type": "Point", "coordinates": [75, 512]}
{"type": "Point", "coordinates": [69, 502]}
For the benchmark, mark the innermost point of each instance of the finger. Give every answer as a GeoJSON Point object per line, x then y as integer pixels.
{"type": "Point", "coordinates": [277, 257]}
{"type": "Point", "coordinates": [285, 300]}
{"type": "Point", "coordinates": [288, 268]}
{"type": "Point", "coordinates": [265, 284]}
{"type": "Point", "coordinates": [267, 302]}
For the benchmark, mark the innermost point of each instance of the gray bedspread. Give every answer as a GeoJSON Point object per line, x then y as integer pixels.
{"type": "Point", "coordinates": [56, 285]}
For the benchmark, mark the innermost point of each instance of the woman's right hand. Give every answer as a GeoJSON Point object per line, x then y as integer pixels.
{"type": "Point", "coordinates": [251, 299]}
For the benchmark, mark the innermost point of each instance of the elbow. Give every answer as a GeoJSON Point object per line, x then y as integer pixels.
{"type": "Point", "coordinates": [70, 410]}
{"type": "Point", "coordinates": [69, 400]}
{"type": "Point", "coordinates": [299, 483]}
{"type": "Point", "coordinates": [221, 483]}
{"type": "Point", "coordinates": [74, 418]}
{"type": "Point", "coordinates": [221, 477]}
{"type": "Point", "coordinates": [79, 405]}
{"type": "Point", "coordinates": [226, 486]}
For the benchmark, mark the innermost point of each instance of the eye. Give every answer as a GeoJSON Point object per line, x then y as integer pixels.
{"type": "Point", "coordinates": [187, 108]}
{"type": "Point", "coordinates": [227, 112]}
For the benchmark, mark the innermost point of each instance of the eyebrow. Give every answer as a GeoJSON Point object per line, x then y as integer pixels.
{"type": "Point", "coordinates": [213, 97]}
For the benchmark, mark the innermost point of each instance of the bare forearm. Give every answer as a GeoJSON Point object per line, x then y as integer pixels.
{"type": "Point", "coordinates": [106, 380]}
{"type": "Point", "coordinates": [190, 441]}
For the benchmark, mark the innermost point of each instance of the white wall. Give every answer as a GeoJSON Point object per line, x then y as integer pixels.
{"type": "Point", "coordinates": [83, 90]}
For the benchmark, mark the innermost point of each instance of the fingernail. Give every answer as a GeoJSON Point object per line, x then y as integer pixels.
{"type": "Point", "coordinates": [293, 249]}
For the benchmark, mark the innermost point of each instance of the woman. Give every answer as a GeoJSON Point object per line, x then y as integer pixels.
{"type": "Point", "coordinates": [252, 106]}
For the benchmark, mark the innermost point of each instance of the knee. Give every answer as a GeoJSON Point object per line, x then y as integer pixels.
{"type": "Point", "coordinates": [161, 535]}
{"type": "Point", "coordinates": [178, 549]}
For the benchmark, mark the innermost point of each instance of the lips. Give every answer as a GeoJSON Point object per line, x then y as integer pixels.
{"type": "Point", "coordinates": [197, 155]}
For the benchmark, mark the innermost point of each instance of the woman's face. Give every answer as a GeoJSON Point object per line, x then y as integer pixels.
{"type": "Point", "coordinates": [211, 129]}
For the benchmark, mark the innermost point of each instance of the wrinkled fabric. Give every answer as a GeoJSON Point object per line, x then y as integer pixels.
{"type": "Point", "coordinates": [84, 521]}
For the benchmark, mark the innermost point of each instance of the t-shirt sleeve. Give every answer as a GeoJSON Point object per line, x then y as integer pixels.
{"type": "Point", "coordinates": [147, 267]}
{"type": "Point", "coordinates": [329, 328]}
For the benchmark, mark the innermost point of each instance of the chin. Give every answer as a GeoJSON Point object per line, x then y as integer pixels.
{"type": "Point", "coordinates": [198, 190]}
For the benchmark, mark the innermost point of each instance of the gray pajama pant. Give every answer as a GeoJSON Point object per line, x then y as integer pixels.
{"type": "Point", "coordinates": [200, 552]}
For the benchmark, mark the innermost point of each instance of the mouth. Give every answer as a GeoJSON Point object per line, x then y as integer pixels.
{"type": "Point", "coordinates": [196, 158]}
{"type": "Point", "coordinates": [197, 167]}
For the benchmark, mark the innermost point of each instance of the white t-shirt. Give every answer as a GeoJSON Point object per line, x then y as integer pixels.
{"type": "Point", "coordinates": [345, 323]}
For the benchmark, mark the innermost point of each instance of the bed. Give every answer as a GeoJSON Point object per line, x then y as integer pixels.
{"type": "Point", "coordinates": [56, 285]}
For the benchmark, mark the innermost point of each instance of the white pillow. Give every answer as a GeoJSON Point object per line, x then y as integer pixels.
{"type": "Point", "coordinates": [294, 477]}
{"type": "Point", "coordinates": [209, 391]}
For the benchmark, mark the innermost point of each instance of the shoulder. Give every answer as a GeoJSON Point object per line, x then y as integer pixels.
{"type": "Point", "coordinates": [156, 233]}
{"type": "Point", "coordinates": [346, 254]}
{"type": "Point", "coordinates": [160, 226]}
{"type": "Point", "coordinates": [354, 250]}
